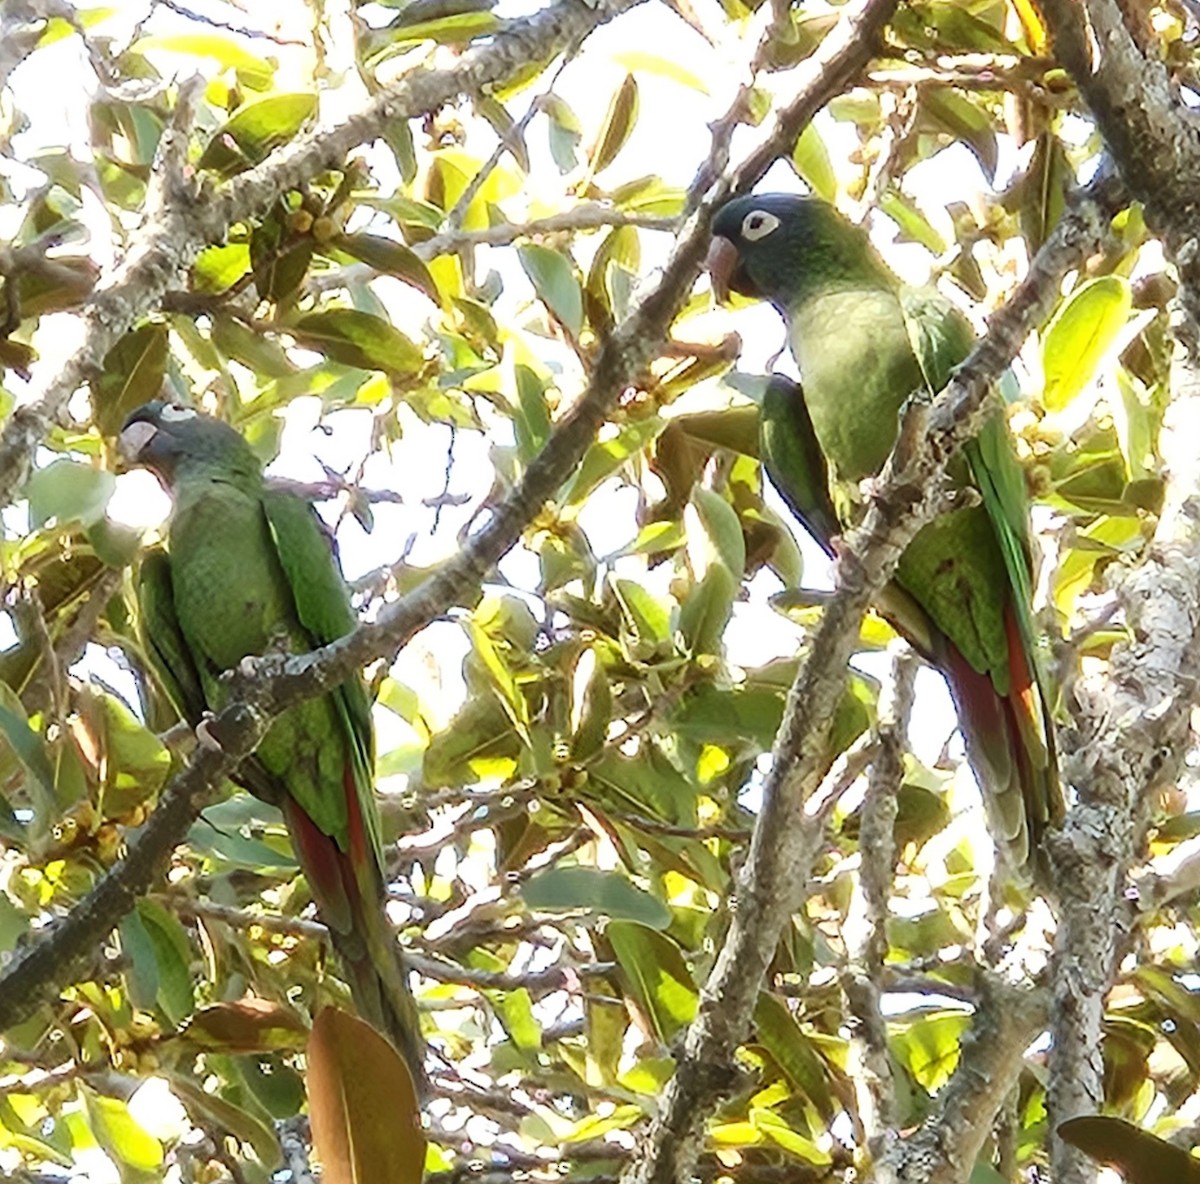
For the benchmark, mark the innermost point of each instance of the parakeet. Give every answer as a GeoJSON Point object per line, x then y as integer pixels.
{"type": "Point", "coordinates": [248, 568]}
{"type": "Point", "coordinates": [962, 592]}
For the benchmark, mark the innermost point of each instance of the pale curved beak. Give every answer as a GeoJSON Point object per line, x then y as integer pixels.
{"type": "Point", "coordinates": [721, 262]}
{"type": "Point", "coordinates": [134, 439]}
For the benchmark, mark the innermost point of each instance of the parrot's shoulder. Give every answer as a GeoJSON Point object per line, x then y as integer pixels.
{"type": "Point", "coordinates": [939, 331]}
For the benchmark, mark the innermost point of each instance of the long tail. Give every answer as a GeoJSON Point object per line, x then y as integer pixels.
{"type": "Point", "coordinates": [1010, 743]}
{"type": "Point", "coordinates": [348, 889]}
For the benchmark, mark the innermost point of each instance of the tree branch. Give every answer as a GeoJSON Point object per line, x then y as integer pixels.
{"type": "Point", "coordinates": [944, 1148]}
{"type": "Point", "coordinates": [1132, 725]}
{"type": "Point", "coordinates": [866, 936]}
{"type": "Point", "coordinates": [183, 221]}
{"type": "Point", "coordinates": [1131, 733]}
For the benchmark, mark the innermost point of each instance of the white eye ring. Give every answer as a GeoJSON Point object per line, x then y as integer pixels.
{"type": "Point", "coordinates": [758, 224]}
{"type": "Point", "coordinates": [172, 414]}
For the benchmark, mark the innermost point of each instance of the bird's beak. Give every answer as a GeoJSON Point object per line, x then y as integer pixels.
{"type": "Point", "coordinates": [134, 439]}
{"type": "Point", "coordinates": [721, 263]}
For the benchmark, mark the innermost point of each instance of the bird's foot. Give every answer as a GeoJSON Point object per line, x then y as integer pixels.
{"type": "Point", "coordinates": [868, 489]}
{"type": "Point", "coordinates": [204, 734]}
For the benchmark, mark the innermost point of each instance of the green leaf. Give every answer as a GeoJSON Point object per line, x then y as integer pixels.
{"type": "Point", "coordinates": [256, 130]}
{"type": "Point", "coordinates": [646, 618]}
{"type": "Point", "coordinates": [172, 956]}
{"type": "Point", "coordinates": [591, 707]}
{"type": "Point", "coordinates": [635, 60]}
{"type": "Point", "coordinates": [565, 132]}
{"type": "Point", "coordinates": [279, 263]}
{"type": "Point", "coordinates": [210, 1109]}
{"type": "Point", "coordinates": [793, 1052]}
{"type": "Point", "coordinates": [68, 491]}
{"type": "Point", "coordinates": [392, 258]}
{"type": "Point", "coordinates": [1080, 335]}
{"type": "Point", "coordinates": [553, 277]}
{"type": "Point", "coordinates": [532, 422]}
{"type": "Point", "coordinates": [135, 762]}
{"type": "Point", "coordinates": [29, 749]}
{"type": "Point", "coordinates": [569, 889]}
{"type": "Point", "coordinates": [219, 267]}
{"type": "Point", "coordinates": [264, 356]}
{"type": "Point", "coordinates": [457, 29]}
{"type": "Point", "coordinates": [480, 737]}
{"type": "Point", "coordinates": [128, 1143]}
{"type": "Point", "coordinates": [777, 1130]}
{"type": "Point", "coordinates": [619, 121]}
{"type": "Point", "coordinates": [929, 1046]}
{"type": "Point", "coordinates": [359, 339]}
{"type": "Point", "coordinates": [227, 52]}
{"type": "Point", "coordinates": [945, 110]}
{"type": "Point", "coordinates": [707, 609]}
{"type": "Point", "coordinates": [722, 531]}
{"type": "Point", "coordinates": [515, 1009]}
{"type": "Point", "coordinates": [913, 225]}
{"type": "Point", "coordinates": [657, 974]}
{"type": "Point", "coordinates": [811, 158]}
{"type": "Point", "coordinates": [607, 456]}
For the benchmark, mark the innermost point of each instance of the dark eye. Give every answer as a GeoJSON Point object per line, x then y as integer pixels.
{"type": "Point", "coordinates": [758, 224]}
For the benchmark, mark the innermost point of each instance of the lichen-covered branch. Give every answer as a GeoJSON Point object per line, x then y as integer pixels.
{"type": "Point", "coordinates": [870, 1067]}
{"type": "Point", "coordinates": [1130, 737]}
{"type": "Point", "coordinates": [1130, 726]}
{"type": "Point", "coordinates": [943, 1149]}
{"type": "Point", "coordinates": [185, 221]}
{"type": "Point", "coordinates": [1151, 135]}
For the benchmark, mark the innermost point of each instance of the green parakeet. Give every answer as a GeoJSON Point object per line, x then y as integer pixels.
{"type": "Point", "coordinates": [962, 592]}
{"type": "Point", "coordinates": [247, 569]}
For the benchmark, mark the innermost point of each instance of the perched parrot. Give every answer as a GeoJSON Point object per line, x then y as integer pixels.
{"type": "Point", "coordinates": [247, 569]}
{"type": "Point", "coordinates": [962, 592]}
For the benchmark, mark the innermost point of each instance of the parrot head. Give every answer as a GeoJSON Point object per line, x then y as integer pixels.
{"type": "Point", "coordinates": [170, 440]}
{"type": "Point", "coordinates": [779, 246]}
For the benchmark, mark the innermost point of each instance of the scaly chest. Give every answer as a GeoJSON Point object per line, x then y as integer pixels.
{"type": "Point", "coordinates": [231, 597]}
{"type": "Point", "coordinates": [857, 368]}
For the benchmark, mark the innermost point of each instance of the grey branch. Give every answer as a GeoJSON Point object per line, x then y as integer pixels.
{"type": "Point", "coordinates": [591, 215]}
{"type": "Point", "coordinates": [1131, 727]}
{"type": "Point", "coordinates": [863, 982]}
{"type": "Point", "coordinates": [1131, 733]}
{"type": "Point", "coordinates": [183, 222]}
{"type": "Point", "coordinates": [944, 1147]}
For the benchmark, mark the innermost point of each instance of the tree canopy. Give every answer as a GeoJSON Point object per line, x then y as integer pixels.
{"type": "Point", "coordinates": [683, 851]}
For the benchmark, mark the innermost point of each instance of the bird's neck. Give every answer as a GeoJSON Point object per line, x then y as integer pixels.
{"type": "Point", "coordinates": [196, 482]}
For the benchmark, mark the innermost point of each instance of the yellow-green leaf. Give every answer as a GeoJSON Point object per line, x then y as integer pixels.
{"type": "Point", "coordinates": [1079, 336]}
{"type": "Point", "coordinates": [359, 339]}
{"type": "Point", "coordinates": [122, 1137]}
{"type": "Point", "coordinates": [811, 158]}
{"type": "Point", "coordinates": [618, 123]}
{"type": "Point", "coordinates": [658, 976]}
{"type": "Point", "coordinates": [256, 130]}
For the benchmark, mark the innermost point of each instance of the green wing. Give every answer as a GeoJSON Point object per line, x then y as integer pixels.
{"type": "Point", "coordinates": [322, 600]}
{"type": "Point", "coordinates": [163, 639]}
{"type": "Point", "coordinates": [942, 337]}
{"type": "Point", "coordinates": [794, 461]}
